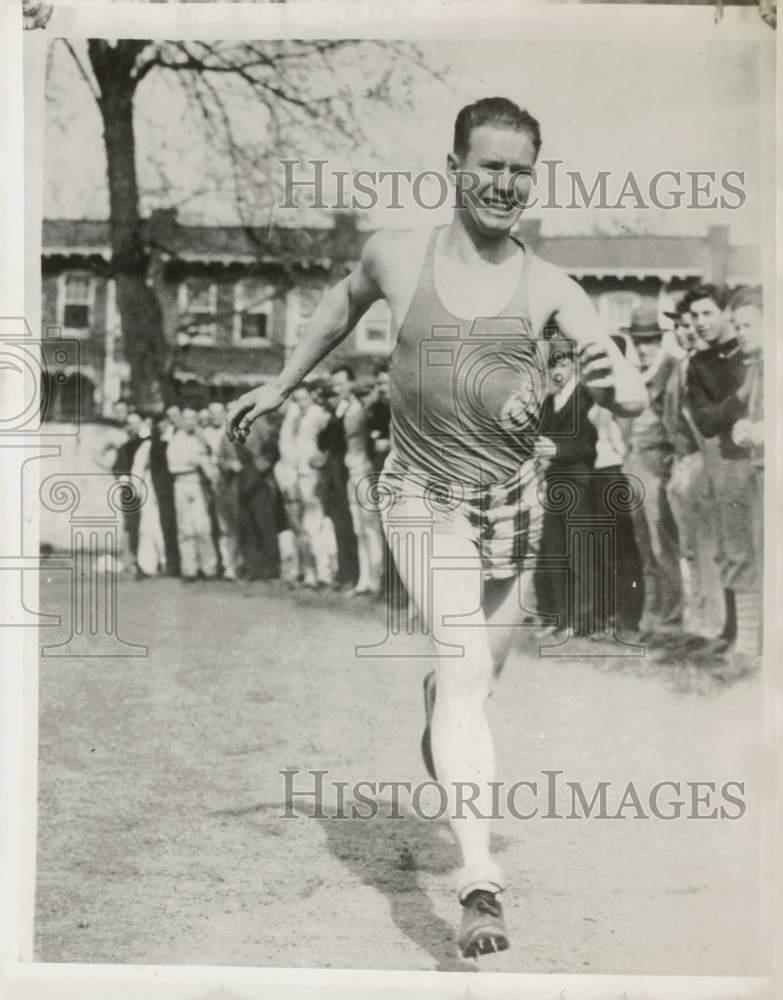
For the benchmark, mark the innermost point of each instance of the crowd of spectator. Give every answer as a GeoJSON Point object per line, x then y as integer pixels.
{"type": "Point", "coordinates": [659, 539]}
{"type": "Point", "coordinates": [652, 525]}
{"type": "Point", "coordinates": [285, 504]}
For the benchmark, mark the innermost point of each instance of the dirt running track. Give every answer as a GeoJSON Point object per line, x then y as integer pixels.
{"type": "Point", "coordinates": [160, 800]}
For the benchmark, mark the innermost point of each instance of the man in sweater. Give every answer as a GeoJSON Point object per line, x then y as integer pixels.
{"type": "Point", "coordinates": [688, 492]}
{"type": "Point", "coordinates": [718, 385]}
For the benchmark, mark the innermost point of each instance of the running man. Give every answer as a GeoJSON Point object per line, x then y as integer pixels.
{"type": "Point", "coordinates": [470, 305]}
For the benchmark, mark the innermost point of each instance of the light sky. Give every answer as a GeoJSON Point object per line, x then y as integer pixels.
{"type": "Point", "coordinates": [610, 105]}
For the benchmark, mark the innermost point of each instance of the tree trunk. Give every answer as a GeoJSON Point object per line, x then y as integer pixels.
{"type": "Point", "coordinates": [144, 339]}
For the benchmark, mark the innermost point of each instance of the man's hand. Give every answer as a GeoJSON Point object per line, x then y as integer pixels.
{"type": "Point", "coordinates": [595, 368]}
{"type": "Point", "coordinates": [544, 447]}
{"type": "Point", "coordinates": [249, 407]}
{"type": "Point", "coordinates": [612, 381]}
{"type": "Point", "coordinates": [741, 433]}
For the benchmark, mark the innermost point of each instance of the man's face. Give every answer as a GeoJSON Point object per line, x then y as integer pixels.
{"type": "Point", "coordinates": [217, 414]}
{"type": "Point", "coordinates": [560, 371]}
{"type": "Point", "coordinates": [133, 424]}
{"type": "Point", "coordinates": [203, 418]}
{"type": "Point", "coordinates": [175, 416]}
{"type": "Point", "coordinates": [382, 385]}
{"type": "Point", "coordinates": [687, 337]}
{"type": "Point", "coordinates": [342, 386]}
{"type": "Point", "coordinates": [302, 399]}
{"type": "Point", "coordinates": [494, 178]}
{"type": "Point", "coordinates": [190, 420]}
{"type": "Point", "coordinates": [708, 320]}
{"type": "Point", "coordinates": [648, 351]}
{"type": "Point", "coordinates": [121, 411]}
{"type": "Point", "coordinates": [747, 325]}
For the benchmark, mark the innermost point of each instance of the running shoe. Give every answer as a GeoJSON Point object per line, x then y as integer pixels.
{"type": "Point", "coordinates": [483, 929]}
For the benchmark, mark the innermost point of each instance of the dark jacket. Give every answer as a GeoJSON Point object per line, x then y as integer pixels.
{"type": "Point", "coordinates": [714, 375]}
{"type": "Point", "coordinates": [571, 430]}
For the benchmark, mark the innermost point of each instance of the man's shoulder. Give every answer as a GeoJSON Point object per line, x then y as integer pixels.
{"type": "Point", "coordinates": [699, 362]}
{"type": "Point", "coordinates": [545, 271]}
{"type": "Point", "coordinates": [385, 241]}
{"type": "Point", "coordinates": [554, 287]}
{"type": "Point", "coordinates": [390, 247]}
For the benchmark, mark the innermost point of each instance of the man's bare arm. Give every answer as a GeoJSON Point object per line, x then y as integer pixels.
{"type": "Point", "coordinates": [336, 315]}
{"type": "Point", "coordinates": [612, 380]}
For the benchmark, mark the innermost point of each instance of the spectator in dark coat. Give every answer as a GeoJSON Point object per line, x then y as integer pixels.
{"type": "Point", "coordinates": [163, 484]}
{"type": "Point", "coordinates": [619, 601]}
{"type": "Point", "coordinates": [258, 502]}
{"type": "Point", "coordinates": [334, 497]}
{"type": "Point", "coordinates": [568, 443]}
{"type": "Point", "coordinates": [123, 464]}
{"type": "Point", "coordinates": [379, 417]}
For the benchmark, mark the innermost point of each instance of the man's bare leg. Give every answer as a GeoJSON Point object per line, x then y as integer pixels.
{"type": "Point", "coordinates": [504, 610]}
{"type": "Point", "coordinates": [461, 739]}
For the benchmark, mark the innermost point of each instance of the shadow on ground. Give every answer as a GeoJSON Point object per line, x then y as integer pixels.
{"type": "Point", "coordinates": [391, 857]}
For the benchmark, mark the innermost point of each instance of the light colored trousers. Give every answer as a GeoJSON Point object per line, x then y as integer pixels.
{"type": "Point", "coordinates": [655, 536]}
{"type": "Point", "coordinates": [151, 557]}
{"type": "Point", "coordinates": [689, 497]}
{"type": "Point", "coordinates": [731, 495]}
{"type": "Point", "coordinates": [314, 531]}
{"type": "Point", "coordinates": [226, 504]}
{"type": "Point", "coordinates": [367, 528]}
{"type": "Point", "coordinates": [194, 529]}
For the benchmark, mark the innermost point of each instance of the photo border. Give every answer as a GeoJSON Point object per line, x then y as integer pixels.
{"type": "Point", "coordinates": [22, 60]}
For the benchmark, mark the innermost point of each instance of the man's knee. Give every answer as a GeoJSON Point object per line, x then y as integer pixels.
{"type": "Point", "coordinates": [467, 675]}
{"type": "Point", "coordinates": [462, 693]}
{"type": "Point", "coordinates": [500, 651]}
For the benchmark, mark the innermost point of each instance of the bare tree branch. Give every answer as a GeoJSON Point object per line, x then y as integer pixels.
{"type": "Point", "coordinates": [255, 101]}
{"type": "Point", "coordinates": [82, 70]}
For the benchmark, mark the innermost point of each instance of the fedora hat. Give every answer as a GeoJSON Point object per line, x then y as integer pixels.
{"type": "Point", "coordinates": [645, 324]}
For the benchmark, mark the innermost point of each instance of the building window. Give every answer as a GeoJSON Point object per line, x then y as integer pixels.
{"type": "Point", "coordinates": [373, 334]}
{"type": "Point", "coordinates": [71, 400]}
{"type": "Point", "coordinates": [300, 306]}
{"type": "Point", "coordinates": [308, 301]}
{"type": "Point", "coordinates": [76, 298]}
{"type": "Point", "coordinates": [253, 312]}
{"type": "Point", "coordinates": [198, 311]}
{"type": "Point", "coordinates": [615, 309]}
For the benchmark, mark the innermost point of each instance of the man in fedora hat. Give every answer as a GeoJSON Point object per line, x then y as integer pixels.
{"type": "Point", "coordinates": [649, 459]}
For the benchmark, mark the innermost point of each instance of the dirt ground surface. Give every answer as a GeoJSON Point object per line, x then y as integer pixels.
{"type": "Point", "coordinates": [161, 830]}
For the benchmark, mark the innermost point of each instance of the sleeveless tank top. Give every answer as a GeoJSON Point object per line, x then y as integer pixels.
{"type": "Point", "coordinates": [452, 382]}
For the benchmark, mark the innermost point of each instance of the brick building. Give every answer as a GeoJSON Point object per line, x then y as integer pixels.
{"type": "Point", "coordinates": [235, 301]}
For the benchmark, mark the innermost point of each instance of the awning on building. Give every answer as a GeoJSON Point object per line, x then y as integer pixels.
{"type": "Point", "coordinates": [221, 378]}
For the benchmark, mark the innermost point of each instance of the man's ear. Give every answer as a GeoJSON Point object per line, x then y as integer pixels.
{"type": "Point", "coordinates": [452, 163]}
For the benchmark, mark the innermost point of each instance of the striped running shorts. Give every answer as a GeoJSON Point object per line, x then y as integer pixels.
{"type": "Point", "coordinates": [503, 520]}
